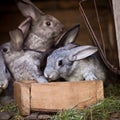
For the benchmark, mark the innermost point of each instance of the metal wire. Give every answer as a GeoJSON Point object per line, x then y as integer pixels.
{"type": "Point", "coordinates": [95, 40]}
{"type": "Point", "coordinates": [100, 28]}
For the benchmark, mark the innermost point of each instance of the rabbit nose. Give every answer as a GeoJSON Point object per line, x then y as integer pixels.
{"type": "Point", "coordinates": [47, 76]}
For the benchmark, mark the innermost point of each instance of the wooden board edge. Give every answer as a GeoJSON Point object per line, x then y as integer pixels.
{"type": "Point", "coordinates": [22, 98]}
{"type": "Point", "coordinates": [100, 91]}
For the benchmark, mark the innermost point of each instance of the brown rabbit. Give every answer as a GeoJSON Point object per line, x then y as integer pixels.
{"type": "Point", "coordinates": [45, 29]}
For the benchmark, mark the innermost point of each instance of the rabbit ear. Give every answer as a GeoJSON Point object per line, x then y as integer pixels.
{"type": "Point", "coordinates": [27, 8]}
{"type": "Point", "coordinates": [69, 36]}
{"type": "Point", "coordinates": [16, 39]}
{"type": "Point", "coordinates": [81, 52]}
{"type": "Point", "coordinates": [25, 26]}
{"type": "Point", "coordinates": [70, 46]}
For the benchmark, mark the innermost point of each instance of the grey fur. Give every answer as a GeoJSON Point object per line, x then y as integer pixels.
{"type": "Point", "coordinates": [4, 74]}
{"type": "Point", "coordinates": [42, 36]}
{"type": "Point", "coordinates": [74, 63]}
{"type": "Point", "coordinates": [24, 65]}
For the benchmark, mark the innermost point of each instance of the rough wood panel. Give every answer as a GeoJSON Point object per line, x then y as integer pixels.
{"type": "Point", "coordinates": [65, 95]}
{"type": "Point", "coordinates": [116, 11]}
{"type": "Point", "coordinates": [100, 90]}
{"type": "Point", "coordinates": [28, 83]}
{"type": "Point", "coordinates": [22, 97]}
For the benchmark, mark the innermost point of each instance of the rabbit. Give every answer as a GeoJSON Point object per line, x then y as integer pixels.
{"type": "Point", "coordinates": [6, 80]}
{"type": "Point", "coordinates": [23, 64]}
{"type": "Point", "coordinates": [45, 29]}
{"type": "Point", "coordinates": [6, 97]}
{"type": "Point", "coordinates": [5, 75]}
{"type": "Point", "coordinates": [73, 62]}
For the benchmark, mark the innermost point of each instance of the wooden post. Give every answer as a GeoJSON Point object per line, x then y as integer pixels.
{"type": "Point", "coordinates": [116, 11]}
{"type": "Point", "coordinates": [22, 96]}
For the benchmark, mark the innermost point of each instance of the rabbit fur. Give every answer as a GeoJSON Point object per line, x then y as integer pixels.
{"type": "Point", "coordinates": [5, 75]}
{"type": "Point", "coordinates": [45, 29]}
{"type": "Point", "coordinates": [23, 64]}
{"type": "Point", "coordinates": [73, 62]}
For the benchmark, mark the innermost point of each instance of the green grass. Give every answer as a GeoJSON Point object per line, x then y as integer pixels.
{"type": "Point", "coordinates": [12, 109]}
{"type": "Point", "coordinates": [99, 111]}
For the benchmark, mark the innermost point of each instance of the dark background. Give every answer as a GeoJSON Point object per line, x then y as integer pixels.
{"type": "Point", "coordinates": [67, 11]}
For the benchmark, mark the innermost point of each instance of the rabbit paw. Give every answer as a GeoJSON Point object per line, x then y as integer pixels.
{"type": "Point", "coordinates": [3, 84]}
{"type": "Point", "coordinates": [89, 76]}
{"type": "Point", "coordinates": [42, 79]}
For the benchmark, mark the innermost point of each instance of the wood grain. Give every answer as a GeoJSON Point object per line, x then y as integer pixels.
{"type": "Point", "coordinates": [22, 97]}
{"type": "Point", "coordinates": [65, 95]}
{"type": "Point", "coordinates": [55, 96]}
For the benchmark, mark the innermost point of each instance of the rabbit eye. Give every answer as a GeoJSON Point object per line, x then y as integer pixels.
{"type": "Point", "coordinates": [60, 63]}
{"type": "Point", "coordinates": [5, 49]}
{"type": "Point", "coordinates": [48, 23]}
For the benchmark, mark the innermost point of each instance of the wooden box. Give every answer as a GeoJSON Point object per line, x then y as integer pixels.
{"type": "Point", "coordinates": [55, 96]}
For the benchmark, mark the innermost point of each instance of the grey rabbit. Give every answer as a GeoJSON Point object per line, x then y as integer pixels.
{"type": "Point", "coordinates": [23, 64]}
{"type": "Point", "coordinates": [73, 62]}
{"type": "Point", "coordinates": [5, 75]}
{"type": "Point", "coordinates": [45, 29]}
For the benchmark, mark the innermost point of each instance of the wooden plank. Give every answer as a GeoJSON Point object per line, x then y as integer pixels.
{"type": "Point", "coordinates": [116, 11]}
{"type": "Point", "coordinates": [28, 82]}
{"type": "Point", "coordinates": [65, 95]}
{"type": "Point", "coordinates": [22, 97]}
{"type": "Point", "coordinates": [100, 92]}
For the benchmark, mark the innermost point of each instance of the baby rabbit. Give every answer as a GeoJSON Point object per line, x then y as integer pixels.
{"type": "Point", "coordinates": [4, 74]}
{"type": "Point", "coordinates": [23, 65]}
{"type": "Point", "coordinates": [73, 62]}
{"type": "Point", "coordinates": [45, 29]}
